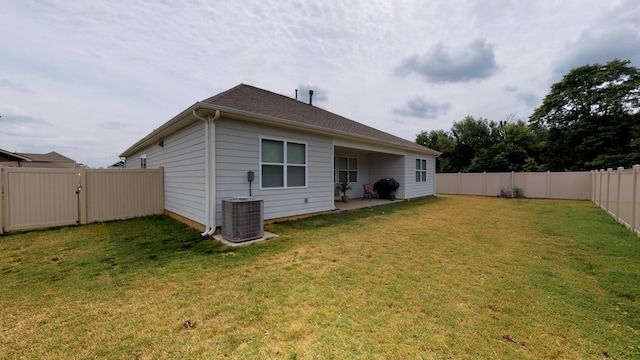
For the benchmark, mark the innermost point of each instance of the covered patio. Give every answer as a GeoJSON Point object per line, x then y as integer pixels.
{"type": "Point", "coordinates": [359, 166]}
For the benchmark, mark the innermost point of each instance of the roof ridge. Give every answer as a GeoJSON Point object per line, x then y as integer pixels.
{"type": "Point", "coordinates": [264, 102]}
{"type": "Point", "coordinates": [243, 85]}
{"type": "Point", "coordinates": [222, 94]}
{"type": "Point", "coordinates": [51, 156]}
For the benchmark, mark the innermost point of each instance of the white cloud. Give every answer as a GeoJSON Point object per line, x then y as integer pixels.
{"type": "Point", "coordinates": [88, 79]}
{"type": "Point", "coordinates": [613, 35]}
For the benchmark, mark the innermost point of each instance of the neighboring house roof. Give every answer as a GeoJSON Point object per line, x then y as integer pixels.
{"type": "Point", "coordinates": [254, 103]}
{"type": "Point", "coordinates": [9, 156]}
{"type": "Point", "coordinates": [48, 160]}
{"type": "Point", "coordinates": [118, 165]}
{"type": "Point", "coordinates": [48, 157]}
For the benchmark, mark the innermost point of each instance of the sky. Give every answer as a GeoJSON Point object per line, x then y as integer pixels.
{"type": "Point", "coordinates": [88, 79]}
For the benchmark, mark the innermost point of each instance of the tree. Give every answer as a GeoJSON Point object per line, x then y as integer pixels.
{"type": "Point", "coordinates": [475, 145]}
{"type": "Point", "coordinates": [511, 149]}
{"type": "Point", "coordinates": [441, 141]}
{"type": "Point", "coordinates": [470, 136]}
{"type": "Point", "coordinates": [590, 118]}
{"type": "Point", "coordinates": [459, 146]}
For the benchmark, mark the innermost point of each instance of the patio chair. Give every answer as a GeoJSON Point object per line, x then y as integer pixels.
{"type": "Point", "coordinates": [369, 192]}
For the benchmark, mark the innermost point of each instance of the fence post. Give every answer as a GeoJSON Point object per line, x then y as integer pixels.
{"type": "Point", "coordinates": [484, 183]}
{"type": "Point", "coordinates": [600, 199]}
{"type": "Point", "coordinates": [82, 196]}
{"type": "Point", "coordinates": [513, 174]}
{"type": "Point", "coordinates": [599, 194]}
{"type": "Point", "coordinates": [620, 168]}
{"type": "Point", "coordinates": [596, 195]}
{"type": "Point", "coordinates": [609, 170]}
{"type": "Point", "coordinates": [548, 184]}
{"type": "Point", "coordinates": [459, 183]}
{"type": "Point", "coordinates": [634, 206]}
{"type": "Point", "coordinates": [593, 186]}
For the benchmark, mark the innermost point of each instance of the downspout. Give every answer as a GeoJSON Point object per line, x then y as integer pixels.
{"type": "Point", "coordinates": [210, 163]}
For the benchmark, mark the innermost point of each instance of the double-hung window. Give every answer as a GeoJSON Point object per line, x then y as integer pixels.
{"type": "Point", "coordinates": [421, 170]}
{"type": "Point", "coordinates": [283, 164]}
{"type": "Point", "coordinates": [347, 169]}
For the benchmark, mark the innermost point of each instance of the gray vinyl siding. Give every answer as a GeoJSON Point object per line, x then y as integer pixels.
{"type": "Point", "coordinates": [388, 166]}
{"type": "Point", "coordinates": [183, 159]}
{"type": "Point", "coordinates": [238, 151]}
{"type": "Point", "coordinates": [419, 189]}
{"type": "Point", "coordinates": [357, 189]}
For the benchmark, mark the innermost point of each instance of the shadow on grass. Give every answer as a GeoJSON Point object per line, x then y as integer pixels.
{"type": "Point", "coordinates": [102, 254]}
{"type": "Point", "coordinates": [156, 241]}
{"type": "Point", "coordinates": [114, 253]}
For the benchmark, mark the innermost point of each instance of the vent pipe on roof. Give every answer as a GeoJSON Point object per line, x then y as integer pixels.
{"type": "Point", "coordinates": [296, 94]}
{"type": "Point", "coordinates": [310, 97]}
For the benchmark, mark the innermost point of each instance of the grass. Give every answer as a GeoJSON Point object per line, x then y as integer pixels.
{"type": "Point", "coordinates": [447, 277]}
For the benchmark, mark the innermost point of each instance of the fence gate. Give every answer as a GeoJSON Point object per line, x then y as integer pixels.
{"type": "Point", "coordinates": [36, 198]}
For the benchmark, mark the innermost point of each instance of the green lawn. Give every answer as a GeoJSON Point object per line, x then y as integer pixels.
{"type": "Point", "coordinates": [450, 277]}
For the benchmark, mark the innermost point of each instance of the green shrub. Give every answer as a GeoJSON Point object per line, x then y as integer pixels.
{"type": "Point", "coordinates": [518, 192]}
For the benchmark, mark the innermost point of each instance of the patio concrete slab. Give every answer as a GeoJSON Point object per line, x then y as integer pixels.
{"type": "Point", "coordinates": [361, 203]}
{"type": "Point", "coordinates": [267, 235]}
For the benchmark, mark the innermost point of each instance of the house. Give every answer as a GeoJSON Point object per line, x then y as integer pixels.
{"type": "Point", "coordinates": [29, 160]}
{"type": "Point", "coordinates": [296, 152]}
{"type": "Point", "coordinates": [117, 165]}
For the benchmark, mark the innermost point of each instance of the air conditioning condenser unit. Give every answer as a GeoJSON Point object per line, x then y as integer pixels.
{"type": "Point", "coordinates": [242, 219]}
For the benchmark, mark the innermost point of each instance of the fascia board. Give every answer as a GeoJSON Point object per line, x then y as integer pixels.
{"type": "Point", "coordinates": [178, 122]}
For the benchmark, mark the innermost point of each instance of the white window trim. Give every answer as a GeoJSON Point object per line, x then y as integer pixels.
{"type": "Point", "coordinates": [143, 161]}
{"type": "Point", "coordinates": [337, 169]}
{"type": "Point", "coordinates": [426, 165]}
{"type": "Point", "coordinates": [285, 164]}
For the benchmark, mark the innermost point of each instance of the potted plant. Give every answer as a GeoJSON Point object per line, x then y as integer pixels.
{"type": "Point", "coordinates": [342, 188]}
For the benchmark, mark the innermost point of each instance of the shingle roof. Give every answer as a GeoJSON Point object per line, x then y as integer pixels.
{"type": "Point", "coordinates": [13, 156]}
{"type": "Point", "coordinates": [262, 105]}
{"type": "Point", "coordinates": [48, 157]}
{"type": "Point", "coordinates": [262, 102]}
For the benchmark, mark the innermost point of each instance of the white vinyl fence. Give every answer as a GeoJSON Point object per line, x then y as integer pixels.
{"type": "Point", "coordinates": [615, 191]}
{"type": "Point", "coordinates": [37, 198]}
{"type": "Point", "coordinates": [618, 193]}
{"type": "Point", "coordinates": [550, 185]}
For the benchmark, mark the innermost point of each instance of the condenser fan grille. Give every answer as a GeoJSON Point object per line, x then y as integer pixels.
{"type": "Point", "coordinates": [242, 219]}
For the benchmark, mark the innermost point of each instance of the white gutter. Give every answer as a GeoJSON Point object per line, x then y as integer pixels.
{"type": "Point", "coordinates": [210, 167]}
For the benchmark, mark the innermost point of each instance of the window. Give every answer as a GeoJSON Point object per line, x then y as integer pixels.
{"type": "Point", "coordinates": [143, 161]}
{"type": "Point", "coordinates": [283, 164]}
{"type": "Point", "coordinates": [421, 170]}
{"type": "Point", "coordinates": [347, 169]}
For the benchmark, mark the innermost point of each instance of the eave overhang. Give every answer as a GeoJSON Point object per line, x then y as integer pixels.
{"type": "Point", "coordinates": [186, 118]}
